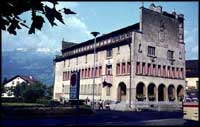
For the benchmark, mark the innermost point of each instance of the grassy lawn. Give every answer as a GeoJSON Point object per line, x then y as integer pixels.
{"type": "Point", "coordinates": [15, 110]}
{"type": "Point", "coordinates": [20, 104]}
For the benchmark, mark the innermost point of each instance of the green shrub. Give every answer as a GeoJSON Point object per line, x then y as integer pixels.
{"type": "Point", "coordinates": [45, 102]}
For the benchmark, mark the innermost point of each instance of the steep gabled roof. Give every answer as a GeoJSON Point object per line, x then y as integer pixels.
{"type": "Point", "coordinates": [28, 79]}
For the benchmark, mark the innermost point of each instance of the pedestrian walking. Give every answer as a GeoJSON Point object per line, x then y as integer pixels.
{"type": "Point", "coordinates": [86, 100]}
{"type": "Point", "coordinates": [100, 104]}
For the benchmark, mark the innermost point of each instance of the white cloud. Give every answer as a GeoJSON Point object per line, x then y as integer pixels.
{"type": "Point", "coordinates": [21, 49]}
{"type": "Point", "coordinates": [191, 43]}
{"type": "Point", "coordinates": [61, 5]}
{"type": "Point", "coordinates": [43, 50]}
{"type": "Point", "coordinates": [74, 30]}
{"type": "Point", "coordinates": [77, 24]}
{"type": "Point", "coordinates": [70, 5]}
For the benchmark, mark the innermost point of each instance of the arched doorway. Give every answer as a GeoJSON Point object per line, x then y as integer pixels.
{"type": "Point", "coordinates": [122, 91]}
{"type": "Point", "coordinates": [180, 93]}
{"type": "Point", "coordinates": [161, 92]}
{"type": "Point", "coordinates": [152, 92]}
{"type": "Point", "coordinates": [140, 92]}
{"type": "Point", "coordinates": [171, 92]}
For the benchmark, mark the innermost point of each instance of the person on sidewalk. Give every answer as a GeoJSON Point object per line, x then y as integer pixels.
{"type": "Point", "coordinates": [100, 104]}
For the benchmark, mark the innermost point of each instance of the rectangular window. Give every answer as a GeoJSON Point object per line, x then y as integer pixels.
{"type": "Point", "coordinates": [90, 89]}
{"type": "Point", "coordinates": [80, 73]}
{"type": "Point", "coordinates": [108, 91]}
{"type": "Point", "coordinates": [151, 51]}
{"type": "Point", "coordinates": [128, 67]}
{"type": "Point", "coordinates": [67, 75]}
{"type": "Point", "coordinates": [63, 76]}
{"type": "Point", "coordinates": [168, 71]}
{"type": "Point", "coordinates": [123, 68]}
{"type": "Point", "coordinates": [118, 50]}
{"type": "Point", "coordinates": [95, 89]}
{"type": "Point", "coordinates": [108, 70]}
{"type": "Point", "coordinates": [100, 71]}
{"type": "Point", "coordinates": [143, 68]}
{"type": "Point", "coordinates": [92, 73]}
{"type": "Point", "coordinates": [18, 83]}
{"type": "Point", "coordinates": [138, 68]}
{"type": "Point", "coordinates": [164, 71]}
{"type": "Point", "coordinates": [170, 54]}
{"type": "Point", "coordinates": [177, 76]}
{"type": "Point", "coordinates": [84, 89]}
{"type": "Point", "coordinates": [173, 72]}
{"type": "Point", "coordinates": [118, 69]}
{"type": "Point", "coordinates": [109, 53]}
{"type": "Point", "coordinates": [89, 72]}
{"type": "Point", "coordinates": [154, 70]}
{"type": "Point", "coordinates": [99, 90]}
{"type": "Point", "coordinates": [149, 69]}
{"type": "Point", "coordinates": [86, 73]}
{"type": "Point", "coordinates": [182, 73]}
{"type": "Point", "coordinates": [67, 89]}
{"type": "Point", "coordinates": [96, 72]}
{"type": "Point", "coordinates": [85, 58]}
{"type": "Point", "coordinates": [159, 71]}
{"type": "Point", "coordinates": [83, 73]}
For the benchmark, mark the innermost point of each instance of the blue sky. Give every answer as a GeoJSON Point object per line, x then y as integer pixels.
{"type": "Point", "coordinates": [103, 17]}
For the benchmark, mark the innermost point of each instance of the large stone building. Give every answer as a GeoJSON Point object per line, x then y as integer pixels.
{"type": "Point", "coordinates": [144, 62]}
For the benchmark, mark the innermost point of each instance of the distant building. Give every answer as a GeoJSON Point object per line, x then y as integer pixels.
{"type": "Point", "coordinates": [144, 62]}
{"type": "Point", "coordinates": [13, 82]}
{"type": "Point", "coordinates": [192, 74]}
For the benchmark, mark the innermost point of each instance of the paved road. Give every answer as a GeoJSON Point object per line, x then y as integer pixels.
{"type": "Point", "coordinates": [107, 118]}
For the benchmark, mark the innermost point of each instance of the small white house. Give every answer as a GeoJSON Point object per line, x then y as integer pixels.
{"type": "Point", "coordinates": [13, 82]}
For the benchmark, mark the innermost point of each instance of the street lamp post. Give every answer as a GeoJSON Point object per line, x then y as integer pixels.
{"type": "Point", "coordinates": [95, 35]}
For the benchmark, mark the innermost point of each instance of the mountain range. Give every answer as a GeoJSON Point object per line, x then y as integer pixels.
{"type": "Point", "coordinates": [29, 62]}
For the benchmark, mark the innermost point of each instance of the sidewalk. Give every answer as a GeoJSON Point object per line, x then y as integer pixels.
{"type": "Point", "coordinates": [158, 122]}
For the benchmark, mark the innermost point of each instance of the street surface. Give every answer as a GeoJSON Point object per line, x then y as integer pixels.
{"type": "Point", "coordinates": [105, 117]}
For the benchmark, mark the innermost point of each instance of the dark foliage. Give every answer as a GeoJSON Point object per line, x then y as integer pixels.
{"type": "Point", "coordinates": [11, 10]}
{"type": "Point", "coordinates": [29, 93]}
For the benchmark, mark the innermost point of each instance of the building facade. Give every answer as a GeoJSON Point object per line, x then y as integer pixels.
{"type": "Point", "coordinates": [144, 62]}
{"type": "Point", "coordinates": [13, 82]}
{"type": "Point", "coordinates": [192, 74]}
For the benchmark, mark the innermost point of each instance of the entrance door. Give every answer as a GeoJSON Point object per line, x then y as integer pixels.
{"type": "Point", "coordinates": [122, 92]}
